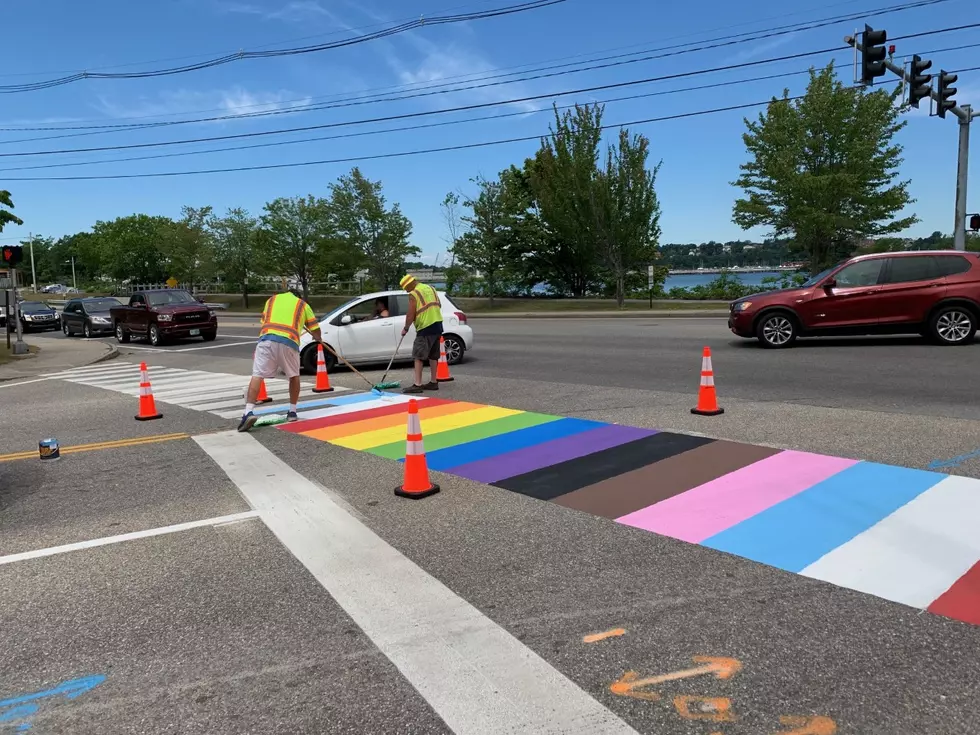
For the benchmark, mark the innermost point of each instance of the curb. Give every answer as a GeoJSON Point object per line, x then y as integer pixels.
{"type": "Point", "coordinates": [110, 354]}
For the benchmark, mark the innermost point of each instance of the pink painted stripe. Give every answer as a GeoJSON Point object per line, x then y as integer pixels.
{"type": "Point", "coordinates": [718, 505]}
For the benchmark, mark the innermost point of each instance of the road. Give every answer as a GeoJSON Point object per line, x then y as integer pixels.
{"type": "Point", "coordinates": [305, 597]}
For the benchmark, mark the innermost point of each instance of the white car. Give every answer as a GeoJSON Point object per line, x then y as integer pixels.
{"type": "Point", "coordinates": [352, 331]}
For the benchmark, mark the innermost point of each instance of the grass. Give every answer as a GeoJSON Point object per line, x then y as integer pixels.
{"type": "Point", "coordinates": [8, 355]}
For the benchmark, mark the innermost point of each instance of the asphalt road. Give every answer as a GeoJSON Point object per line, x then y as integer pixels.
{"type": "Point", "coordinates": [237, 626]}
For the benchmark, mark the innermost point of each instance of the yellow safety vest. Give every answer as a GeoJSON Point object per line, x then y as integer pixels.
{"type": "Point", "coordinates": [428, 310]}
{"type": "Point", "coordinates": [285, 316]}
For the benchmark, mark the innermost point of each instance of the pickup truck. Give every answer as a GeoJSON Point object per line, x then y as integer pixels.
{"type": "Point", "coordinates": [163, 315]}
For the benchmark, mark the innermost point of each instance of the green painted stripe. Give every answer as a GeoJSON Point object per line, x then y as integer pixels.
{"type": "Point", "coordinates": [444, 439]}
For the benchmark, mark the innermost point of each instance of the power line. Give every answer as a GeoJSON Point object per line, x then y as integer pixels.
{"type": "Point", "coordinates": [440, 88]}
{"type": "Point", "coordinates": [399, 154]}
{"type": "Point", "coordinates": [295, 51]}
{"type": "Point", "coordinates": [462, 108]}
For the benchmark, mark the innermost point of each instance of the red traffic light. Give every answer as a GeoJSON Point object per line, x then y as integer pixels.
{"type": "Point", "coordinates": [975, 222]}
{"type": "Point", "coordinates": [12, 254]}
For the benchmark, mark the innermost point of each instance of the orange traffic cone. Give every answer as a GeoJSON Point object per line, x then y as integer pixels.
{"type": "Point", "coordinates": [416, 484]}
{"type": "Point", "coordinates": [442, 369]}
{"type": "Point", "coordinates": [322, 379]}
{"type": "Point", "coordinates": [707, 399]}
{"type": "Point", "coordinates": [263, 396]}
{"type": "Point", "coordinates": [148, 407]}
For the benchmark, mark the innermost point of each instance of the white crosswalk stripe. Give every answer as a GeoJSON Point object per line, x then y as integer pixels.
{"type": "Point", "coordinates": [199, 390]}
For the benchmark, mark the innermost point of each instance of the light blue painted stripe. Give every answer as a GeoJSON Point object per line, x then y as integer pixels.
{"type": "Point", "coordinates": [793, 534]}
{"type": "Point", "coordinates": [444, 459]}
{"type": "Point", "coordinates": [338, 401]}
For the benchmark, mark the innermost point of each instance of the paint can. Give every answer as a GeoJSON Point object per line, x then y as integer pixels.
{"type": "Point", "coordinates": [48, 449]}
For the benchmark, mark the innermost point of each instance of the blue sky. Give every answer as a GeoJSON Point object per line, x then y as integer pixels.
{"type": "Point", "coordinates": [700, 154]}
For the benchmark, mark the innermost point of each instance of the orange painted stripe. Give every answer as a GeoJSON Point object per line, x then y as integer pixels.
{"type": "Point", "coordinates": [353, 428]}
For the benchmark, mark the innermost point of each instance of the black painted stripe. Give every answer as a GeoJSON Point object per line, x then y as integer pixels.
{"type": "Point", "coordinates": [551, 482]}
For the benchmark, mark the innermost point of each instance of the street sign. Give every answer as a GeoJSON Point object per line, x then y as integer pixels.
{"type": "Point", "coordinates": [649, 276]}
{"type": "Point", "coordinates": [172, 282]}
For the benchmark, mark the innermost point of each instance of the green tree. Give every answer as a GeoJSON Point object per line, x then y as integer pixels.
{"type": "Point", "coordinates": [236, 251]}
{"type": "Point", "coordinates": [295, 233]}
{"type": "Point", "coordinates": [188, 247]}
{"type": "Point", "coordinates": [452, 215]}
{"type": "Point", "coordinates": [362, 223]}
{"type": "Point", "coordinates": [130, 247]}
{"type": "Point", "coordinates": [483, 247]}
{"type": "Point", "coordinates": [7, 217]}
{"type": "Point", "coordinates": [823, 169]}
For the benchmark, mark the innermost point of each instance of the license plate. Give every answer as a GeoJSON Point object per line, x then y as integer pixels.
{"type": "Point", "coordinates": [195, 332]}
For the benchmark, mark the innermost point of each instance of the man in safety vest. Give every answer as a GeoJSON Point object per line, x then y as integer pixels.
{"type": "Point", "coordinates": [284, 318]}
{"type": "Point", "coordinates": [425, 312]}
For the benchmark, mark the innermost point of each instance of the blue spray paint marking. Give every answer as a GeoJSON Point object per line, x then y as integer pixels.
{"type": "Point", "coordinates": [22, 707]}
{"type": "Point", "coordinates": [938, 464]}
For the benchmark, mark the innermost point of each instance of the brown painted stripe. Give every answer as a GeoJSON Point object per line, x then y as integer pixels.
{"type": "Point", "coordinates": [631, 491]}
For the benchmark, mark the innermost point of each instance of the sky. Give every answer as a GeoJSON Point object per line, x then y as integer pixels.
{"type": "Point", "coordinates": [515, 67]}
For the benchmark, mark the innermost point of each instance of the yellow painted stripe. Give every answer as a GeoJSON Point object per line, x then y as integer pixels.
{"type": "Point", "coordinates": [371, 439]}
{"type": "Point", "coordinates": [115, 444]}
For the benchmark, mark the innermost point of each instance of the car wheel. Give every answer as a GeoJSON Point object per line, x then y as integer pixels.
{"type": "Point", "coordinates": [153, 333]}
{"type": "Point", "coordinates": [953, 325]}
{"type": "Point", "coordinates": [210, 336]}
{"type": "Point", "coordinates": [65, 329]}
{"type": "Point", "coordinates": [776, 330]}
{"type": "Point", "coordinates": [455, 349]}
{"type": "Point", "coordinates": [87, 330]}
{"type": "Point", "coordinates": [122, 336]}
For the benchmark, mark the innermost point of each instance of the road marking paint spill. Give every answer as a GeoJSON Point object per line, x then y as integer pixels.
{"type": "Point", "coordinates": [596, 637]}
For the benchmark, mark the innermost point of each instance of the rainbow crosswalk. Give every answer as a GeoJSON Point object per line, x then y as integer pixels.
{"type": "Point", "coordinates": [906, 535]}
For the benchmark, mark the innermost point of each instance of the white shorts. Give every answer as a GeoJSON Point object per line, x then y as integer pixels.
{"type": "Point", "coordinates": [271, 357]}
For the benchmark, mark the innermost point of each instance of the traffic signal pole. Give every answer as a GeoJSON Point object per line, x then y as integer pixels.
{"type": "Point", "coordinates": [965, 116]}
{"type": "Point", "coordinates": [20, 347]}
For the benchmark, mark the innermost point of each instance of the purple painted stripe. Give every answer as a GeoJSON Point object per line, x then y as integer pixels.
{"type": "Point", "coordinates": [528, 459]}
{"type": "Point", "coordinates": [718, 505]}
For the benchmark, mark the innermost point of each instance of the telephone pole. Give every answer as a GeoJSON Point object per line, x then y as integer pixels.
{"type": "Point", "coordinates": [944, 104]}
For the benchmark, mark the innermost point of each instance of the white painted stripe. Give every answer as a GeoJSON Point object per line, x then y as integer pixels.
{"type": "Point", "coordinates": [197, 396]}
{"type": "Point", "coordinates": [107, 540]}
{"type": "Point", "coordinates": [217, 347]}
{"type": "Point", "coordinates": [9, 384]}
{"type": "Point", "coordinates": [300, 406]}
{"type": "Point", "coordinates": [108, 381]}
{"type": "Point", "coordinates": [201, 387]}
{"type": "Point", "coordinates": [915, 554]}
{"type": "Point", "coordinates": [318, 413]}
{"type": "Point", "coordinates": [168, 381]}
{"type": "Point", "coordinates": [477, 677]}
{"type": "Point", "coordinates": [99, 369]}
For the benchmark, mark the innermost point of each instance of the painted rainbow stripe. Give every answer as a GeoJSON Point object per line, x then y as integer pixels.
{"type": "Point", "coordinates": [905, 535]}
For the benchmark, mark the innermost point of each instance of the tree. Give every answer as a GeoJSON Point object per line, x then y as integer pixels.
{"type": "Point", "coordinates": [130, 247]}
{"type": "Point", "coordinates": [294, 234]}
{"type": "Point", "coordinates": [236, 251]}
{"type": "Point", "coordinates": [823, 169]}
{"type": "Point", "coordinates": [188, 247]}
{"type": "Point", "coordinates": [483, 248]}
{"type": "Point", "coordinates": [7, 217]}
{"type": "Point", "coordinates": [361, 223]}
{"type": "Point", "coordinates": [627, 211]}
{"type": "Point", "coordinates": [452, 215]}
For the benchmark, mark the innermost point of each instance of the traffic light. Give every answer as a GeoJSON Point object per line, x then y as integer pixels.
{"type": "Point", "coordinates": [945, 93]}
{"type": "Point", "coordinates": [12, 254]}
{"type": "Point", "coordinates": [975, 222]}
{"type": "Point", "coordinates": [872, 54]}
{"type": "Point", "coordinates": [919, 82]}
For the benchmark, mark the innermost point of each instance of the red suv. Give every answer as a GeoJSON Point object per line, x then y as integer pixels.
{"type": "Point", "coordinates": [932, 293]}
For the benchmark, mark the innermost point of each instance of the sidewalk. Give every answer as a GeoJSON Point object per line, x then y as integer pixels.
{"type": "Point", "coordinates": [56, 354]}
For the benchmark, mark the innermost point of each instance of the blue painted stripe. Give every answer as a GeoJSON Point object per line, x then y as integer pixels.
{"type": "Point", "coordinates": [793, 534]}
{"type": "Point", "coordinates": [341, 400]}
{"type": "Point", "coordinates": [445, 459]}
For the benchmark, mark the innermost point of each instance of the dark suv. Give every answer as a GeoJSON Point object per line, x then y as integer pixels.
{"type": "Point", "coordinates": [932, 293]}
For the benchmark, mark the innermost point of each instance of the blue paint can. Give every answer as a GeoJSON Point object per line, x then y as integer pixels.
{"type": "Point", "coordinates": [49, 449]}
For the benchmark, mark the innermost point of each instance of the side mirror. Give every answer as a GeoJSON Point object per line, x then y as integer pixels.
{"type": "Point", "coordinates": [347, 319]}
{"type": "Point", "coordinates": [830, 283]}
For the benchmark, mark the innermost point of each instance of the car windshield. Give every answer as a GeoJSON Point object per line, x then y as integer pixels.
{"type": "Point", "coordinates": [29, 306]}
{"type": "Point", "coordinates": [343, 307]}
{"type": "Point", "coordinates": [169, 298]}
{"type": "Point", "coordinates": [814, 280]}
{"type": "Point", "coordinates": [100, 304]}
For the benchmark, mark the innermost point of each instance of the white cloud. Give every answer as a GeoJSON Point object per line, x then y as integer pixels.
{"type": "Point", "coordinates": [183, 102]}
{"type": "Point", "coordinates": [761, 49]}
{"type": "Point", "coordinates": [297, 11]}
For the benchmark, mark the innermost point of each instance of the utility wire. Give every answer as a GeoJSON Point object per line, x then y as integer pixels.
{"type": "Point", "coordinates": [490, 81]}
{"type": "Point", "coordinates": [295, 51]}
{"type": "Point", "coordinates": [462, 108]}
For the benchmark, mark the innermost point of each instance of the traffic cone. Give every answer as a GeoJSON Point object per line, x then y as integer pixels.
{"type": "Point", "coordinates": [442, 369]}
{"type": "Point", "coordinates": [263, 396]}
{"type": "Point", "coordinates": [322, 379]}
{"type": "Point", "coordinates": [707, 399]}
{"type": "Point", "coordinates": [148, 407]}
{"type": "Point", "coordinates": [416, 483]}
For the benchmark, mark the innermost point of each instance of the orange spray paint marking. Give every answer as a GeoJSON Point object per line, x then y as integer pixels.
{"type": "Point", "coordinates": [596, 637]}
{"type": "Point", "coordinates": [629, 685]}
{"type": "Point", "coordinates": [808, 725]}
{"type": "Point", "coordinates": [715, 709]}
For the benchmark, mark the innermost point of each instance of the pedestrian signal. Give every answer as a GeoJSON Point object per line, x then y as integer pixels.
{"type": "Point", "coordinates": [12, 254]}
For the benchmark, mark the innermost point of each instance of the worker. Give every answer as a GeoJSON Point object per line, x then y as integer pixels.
{"type": "Point", "coordinates": [283, 319]}
{"type": "Point", "coordinates": [425, 312]}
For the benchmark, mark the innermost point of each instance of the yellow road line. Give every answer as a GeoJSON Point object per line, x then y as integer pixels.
{"type": "Point", "coordinates": [117, 443]}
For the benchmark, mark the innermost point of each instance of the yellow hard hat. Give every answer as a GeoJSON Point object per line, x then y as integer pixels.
{"type": "Point", "coordinates": [406, 281]}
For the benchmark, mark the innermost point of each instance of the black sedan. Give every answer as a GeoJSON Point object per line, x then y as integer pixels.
{"type": "Point", "coordinates": [87, 316]}
{"type": "Point", "coordinates": [37, 316]}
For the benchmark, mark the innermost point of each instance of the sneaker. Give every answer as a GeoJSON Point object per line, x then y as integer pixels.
{"type": "Point", "coordinates": [412, 389]}
{"type": "Point", "coordinates": [291, 416]}
{"type": "Point", "coordinates": [431, 385]}
{"type": "Point", "coordinates": [248, 421]}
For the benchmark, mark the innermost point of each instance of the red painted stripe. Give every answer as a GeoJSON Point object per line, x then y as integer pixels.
{"type": "Point", "coordinates": [962, 600]}
{"type": "Point", "coordinates": [346, 418]}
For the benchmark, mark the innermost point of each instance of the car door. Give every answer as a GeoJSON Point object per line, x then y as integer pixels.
{"type": "Point", "coordinates": [847, 298]}
{"type": "Point", "coordinates": [400, 302]}
{"type": "Point", "coordinates": [363, 338]}
{"type": "Point", "coordinates": [138, 318]}
{"type": "Point", "coordinates": [910, 286]}
{"type": "Point", "coordinates": [69, 316]}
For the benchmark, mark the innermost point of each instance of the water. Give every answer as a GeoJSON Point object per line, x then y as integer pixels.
{"type": "Point", "coordinates": [749, 278]}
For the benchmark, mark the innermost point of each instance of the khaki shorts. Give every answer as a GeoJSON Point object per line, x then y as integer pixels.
{"type": "Point", "coordinates": [272, 357]}
{"type": "Point", "coordinates": [426, 347]}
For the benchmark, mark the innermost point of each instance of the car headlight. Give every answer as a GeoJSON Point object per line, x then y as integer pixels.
{"type": "Point", "coordinates": [165, 317]}
{"type": "Point", "coordinates": [100, 320]}
{"type": "Point", "coordinates": [743, 305]}
{"type": "Point", "coordinates": [28, 318]}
